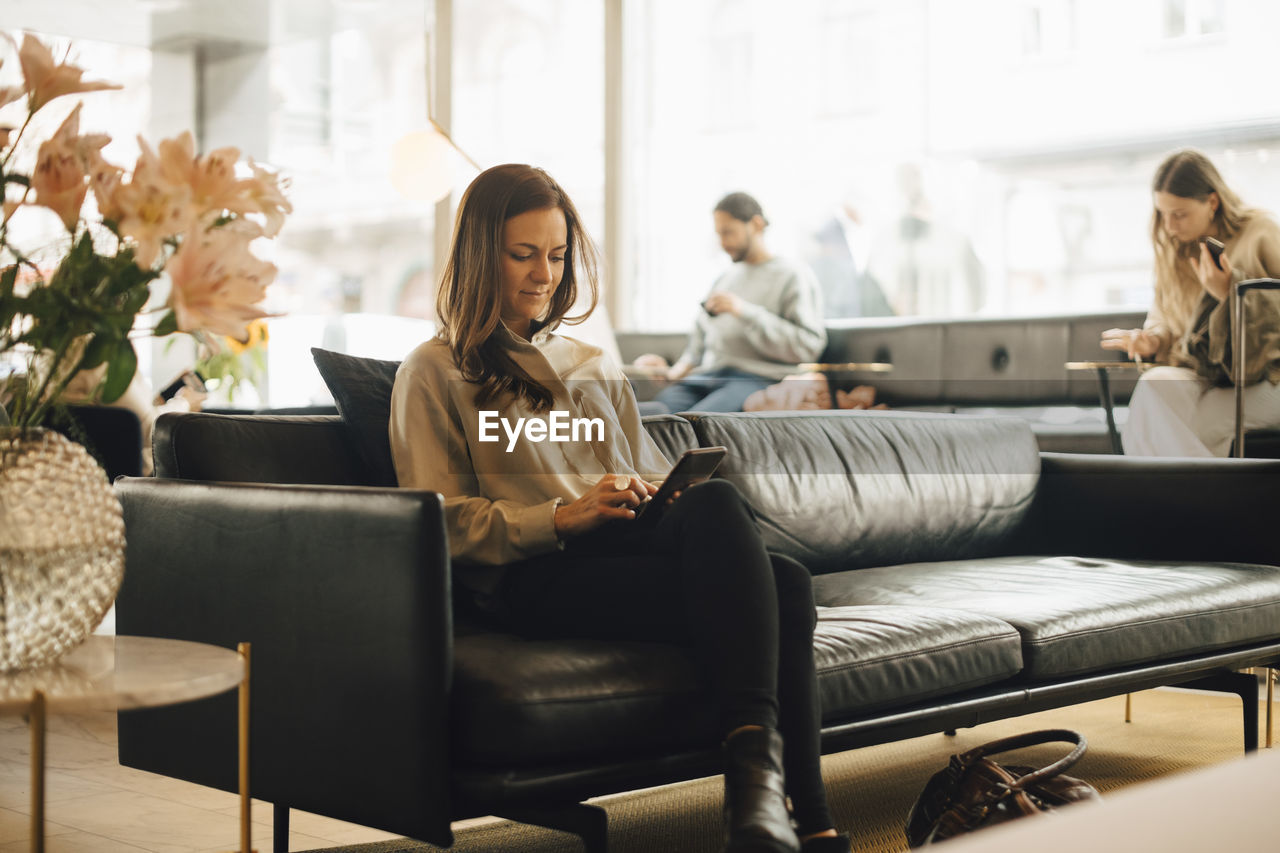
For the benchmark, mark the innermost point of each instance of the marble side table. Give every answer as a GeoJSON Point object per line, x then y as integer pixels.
{"type": "Point", "coordinates": [118, 674]}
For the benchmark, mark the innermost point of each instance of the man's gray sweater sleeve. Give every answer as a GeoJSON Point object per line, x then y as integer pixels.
{"type": "Point", "coordinates": [796, 333]}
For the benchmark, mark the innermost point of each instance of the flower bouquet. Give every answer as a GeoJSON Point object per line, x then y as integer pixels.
{"type": "Point", "coordinates": [188, 216]}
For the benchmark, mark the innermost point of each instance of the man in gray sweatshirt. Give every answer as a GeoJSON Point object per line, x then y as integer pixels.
{"type": "Point", "coordinates": [762, 318]}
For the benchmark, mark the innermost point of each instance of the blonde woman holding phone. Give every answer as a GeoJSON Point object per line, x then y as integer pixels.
{"type": "Point", "coordinates": [1205, 241]}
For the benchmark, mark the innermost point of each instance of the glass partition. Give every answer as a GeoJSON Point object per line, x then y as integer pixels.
{"type": "Point", "coordinates": [931, 158]}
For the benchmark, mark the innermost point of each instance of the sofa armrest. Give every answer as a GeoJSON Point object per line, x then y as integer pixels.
{"type": "Point", "coordinates": [1155, 508]}
{"type": "Point", "coordinates": [344, 594]}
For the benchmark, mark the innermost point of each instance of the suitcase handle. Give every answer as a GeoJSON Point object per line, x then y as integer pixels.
{"type": "Point", "coordinates": [1237, 347]}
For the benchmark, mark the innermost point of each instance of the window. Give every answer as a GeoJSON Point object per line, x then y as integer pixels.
{"type": "Point", "coordinates": [319, 91]}
{"type": "Point", "coordinates": [1048, 27]}
{"type": "Point", "coordinates": [996, 162]}
{"type": "Point", "coordinates": [1191, 18]}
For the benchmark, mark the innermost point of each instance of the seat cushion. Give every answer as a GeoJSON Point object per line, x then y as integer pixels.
{"type": "Point", "coordinates": [1085, 615]}
{"type": "Point", "coordinates": [519, 701]}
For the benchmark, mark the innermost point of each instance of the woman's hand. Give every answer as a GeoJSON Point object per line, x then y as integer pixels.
{"type": "Point", "coordinates": [615, 496]}
{"type": "Point", "coordinates": [1135, 342]}
{"type": "Point", "coordinates": [1216, 282]}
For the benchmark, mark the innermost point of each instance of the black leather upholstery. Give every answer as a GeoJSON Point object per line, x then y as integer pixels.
{"type": "Point", "coordinates": [523, 702]}
{"type": "Point", "coordinates": [1181, 510]}
{"type": "Point", "coordinates": [673, 435]}
{"type": "Point", "coordinates": [256, 449]}
{"type": "Point", "coordinates": [843, 490]}
{"type": "Point", "coordinates": [344, 595]}
{"type": "Point", "coordinates": [1080, 615]}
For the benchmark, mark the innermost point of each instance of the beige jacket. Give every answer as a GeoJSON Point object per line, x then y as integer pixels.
{"type": "Point", "coordinates": [500, 496]}
{"type": "Point", "coordinates": [1206, 347]}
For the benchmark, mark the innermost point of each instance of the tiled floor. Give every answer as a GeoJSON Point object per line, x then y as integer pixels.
{"type": "Point", "coordinates": [94, 804]}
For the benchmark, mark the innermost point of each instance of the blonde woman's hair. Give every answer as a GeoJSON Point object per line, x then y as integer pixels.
{"type": "Point", "coordinates": [469, 302]}
{"type": "Point", "coordinates": [1188, 174]}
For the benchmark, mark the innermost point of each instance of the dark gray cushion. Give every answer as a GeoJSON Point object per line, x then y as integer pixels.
{"type": "Point", "coordinates": [361, 389]}
{"type": "Point", "coordinates": [526, 701]}
{"type": "Point", "coordinates": [1080, 615]}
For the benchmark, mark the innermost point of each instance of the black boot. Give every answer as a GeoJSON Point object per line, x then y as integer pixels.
{"type": "Point", "coordinates": [755, 807]}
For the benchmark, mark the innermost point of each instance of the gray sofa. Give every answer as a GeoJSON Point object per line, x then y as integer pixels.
{"type": "Point", "coordinates": [962, 576]}
{"type": "Point", "coordinates": [1013, 366]}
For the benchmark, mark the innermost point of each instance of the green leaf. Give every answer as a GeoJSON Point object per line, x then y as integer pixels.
{"type": "Point", "coordinates": [167, 326]}
{"type": "Point", "coordinates": [7, 280]}
{"type": "Point", "coordinates": [120, 370]}
{"type": "Point", "coordinates": [97, 350]}
{"type": "Point", "coordinates": [135, 300]}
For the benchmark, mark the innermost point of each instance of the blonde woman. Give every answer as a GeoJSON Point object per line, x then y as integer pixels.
{"type": "Point", "coordinates": [1187, 408]}
{"type": "Point", "coordinates": [544, 536]}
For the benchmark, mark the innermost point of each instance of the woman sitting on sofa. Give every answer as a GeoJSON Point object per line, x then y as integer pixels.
{"type": "Point", "coordinates": [1188, 407]}
{"type": "Point", "coordinates": [544, 534]}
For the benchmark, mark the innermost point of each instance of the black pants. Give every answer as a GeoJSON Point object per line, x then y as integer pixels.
{"type": "Point", "coordinates": [701, 577]}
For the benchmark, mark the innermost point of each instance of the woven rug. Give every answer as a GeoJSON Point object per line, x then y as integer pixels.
{"type": "Point", "coordinates": [872, 789]}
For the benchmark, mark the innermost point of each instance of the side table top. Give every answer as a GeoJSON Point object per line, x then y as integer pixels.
{"type": "Point", "coordinates": [846, 366]}
{"type": "Point", "coordinates": [119, 673]}
{"type": "Point", "coordinates": [1109, 365]}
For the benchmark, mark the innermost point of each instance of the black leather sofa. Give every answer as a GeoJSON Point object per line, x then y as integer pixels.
{"type": "Point", "coordinates": [962, 575]}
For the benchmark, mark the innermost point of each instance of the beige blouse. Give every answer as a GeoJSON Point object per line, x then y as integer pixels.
{"type": "Point", "coordinates": [1254, 252]}
{"type": "Point", "coordinates": [501, 495]}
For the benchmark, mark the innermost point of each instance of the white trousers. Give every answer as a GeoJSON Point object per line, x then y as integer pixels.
{"type": "Point", "coordinates": [1174, 412]}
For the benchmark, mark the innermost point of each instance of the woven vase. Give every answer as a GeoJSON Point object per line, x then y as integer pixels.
{"type": "Point", "coordinates": [61, 547]}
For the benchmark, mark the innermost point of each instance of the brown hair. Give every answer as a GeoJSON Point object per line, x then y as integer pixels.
{"type": "Point", "coordinates": [1188, 174]}
{"type": "Point", "coordinates": [468, 303]}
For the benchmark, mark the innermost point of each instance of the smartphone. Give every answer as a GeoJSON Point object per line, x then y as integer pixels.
{"type": "Point", "coordinates": [694, 466]}
{"type": "Point", "coordinates": [1216, 249]}
{"type": "Point", "coordinates": [187, 379]}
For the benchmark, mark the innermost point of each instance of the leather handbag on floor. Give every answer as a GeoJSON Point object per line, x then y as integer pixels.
{"type": "Point", "coordinates": [974, 791]}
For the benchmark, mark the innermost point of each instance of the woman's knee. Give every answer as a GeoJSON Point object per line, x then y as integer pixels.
{"type": "Point", "coordinates": [711, 498]}
{"type": "Point", "coordinates": [795, 593]}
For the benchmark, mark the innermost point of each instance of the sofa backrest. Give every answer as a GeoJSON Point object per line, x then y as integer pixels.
{"type": "Point", "coordinates": [298, 449]}
{"type": "Point", "coordinates": [970, 361]}
{"type": "Point", "coordinates": [842, 490]}
{"type": "Point", "coordinates": [256, 449]}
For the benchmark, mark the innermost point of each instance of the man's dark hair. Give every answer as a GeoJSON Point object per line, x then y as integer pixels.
{"type": "Point", "coordinates": [741, 207]}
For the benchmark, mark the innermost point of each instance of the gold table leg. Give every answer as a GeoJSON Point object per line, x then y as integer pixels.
{"type": "Point", "coordinates": [1128, 707]}
{"type": "Point", "coordinates": [38, 740]}
{"type": "Point", "coordinates": [246, 803]}
{"type": "Point", "coordinates": [1271, 691]}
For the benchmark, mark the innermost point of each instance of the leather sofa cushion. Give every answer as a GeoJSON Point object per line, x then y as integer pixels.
{"type": "Point", "coordinates": [520, 701]}
{"type": "Point", "coordinates": [841, 490]}
{"type": "Point", "coordinates": [674, 435]}
{"type": "Point", "coordinates": [1080, 615]}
